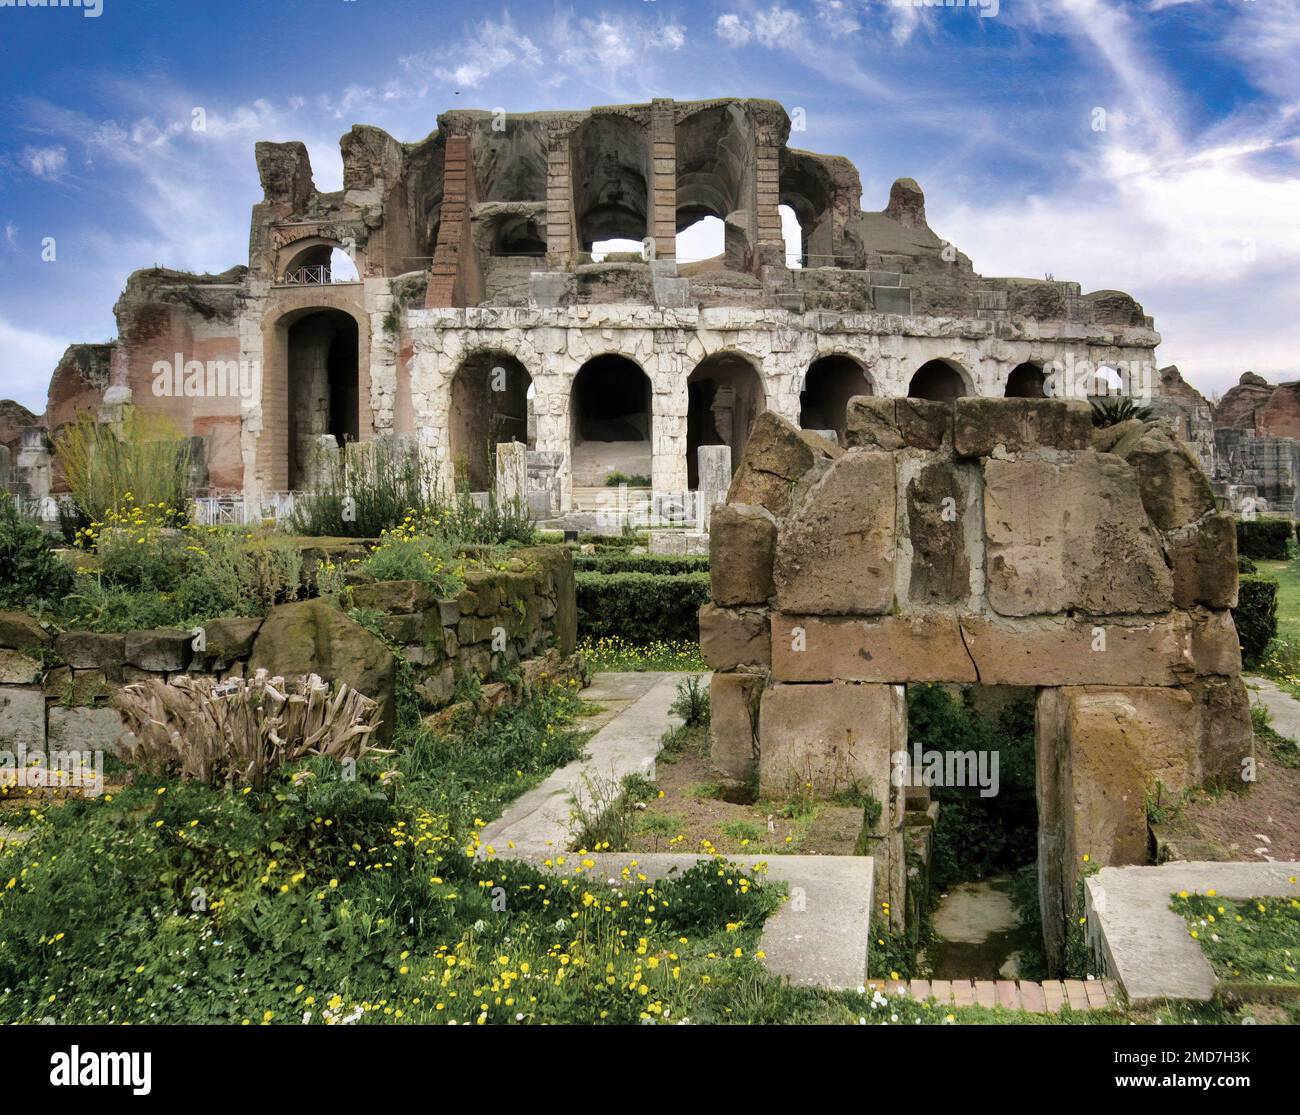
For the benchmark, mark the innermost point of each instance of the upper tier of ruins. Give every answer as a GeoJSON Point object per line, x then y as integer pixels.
{"type": "Point", "coordinates": [476, 315]}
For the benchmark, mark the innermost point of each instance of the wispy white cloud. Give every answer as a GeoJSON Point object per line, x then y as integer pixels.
{"type": "Point", "coordinates": [30, 357]}
{"type": "Point", "coordinates": [45, 162]}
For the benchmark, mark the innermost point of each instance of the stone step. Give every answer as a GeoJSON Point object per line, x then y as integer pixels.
{"type": "Point", "coordinates": [1049, 997]}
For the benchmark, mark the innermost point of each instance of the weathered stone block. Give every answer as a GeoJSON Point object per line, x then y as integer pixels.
{"type": "Point", "coordinates": [871, 422]}
{"type": "Point", "coordinates": [393, 597]}
{"type": "Point", "coordinates": [162, 650]}
{"type": "Point", "coordinates": [1216, 649]}
{"type": "Point", "coordinates": [229, 639]}
{"type": "Point", "coordinates": [776, 455]}
{"type": "Point", "coordinates": [87, 650]}
{"type": "Point", "coordinates": [732, 637]}
{"type": "Point", "coordinates": [17, 668]}
{"type": "Point", "coordinates": [940, 563]}
{"type": "Point", "coordinates": [836, 552]}
{"type": "Point", "coordinates": [312, 637]}
{"type": "Point", "coordinates": [1203, 556]}
{"type": "Point", "coordinates": [22, 718]}
{"type": "Point", "coordinates": [1226, 739]}
{"type": "Point", "coordinates": [733, 724]}
{"type": "Point", "coordinates": [742, 547]}
{"type": "Point", "coordinates": [21, 632]}
{"type": "Point", "coordinates": [821, 740]}
{"type": "Point", "coordinates": [1064, 651]}
{"type": "Point", "coordinates": [924, 423]}
{"type": "Point", "coordinates": [485, 592]}
{"type": "Point", "coordinates": [75, 687]}
{"type": "Point", "coordinates": [85, 729]}
{"type": "Point", "coordinates": [982, 427]}
{"type": "Point", "coordinates": [1175, 490]}
{"type": "Point", "coordinates": [1063, 534]}
{"type": "Point", "coordinates": [901, 648]}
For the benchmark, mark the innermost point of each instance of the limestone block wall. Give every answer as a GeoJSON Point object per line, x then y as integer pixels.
{"type": "Point", "coordinates": [986, 541]}
{"type": "Point", "coordinates": [56, 690]}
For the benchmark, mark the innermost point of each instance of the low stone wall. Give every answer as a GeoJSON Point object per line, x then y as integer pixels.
{"type": "Point", "coordinates": [55, 690]}
{"type": "Point", "coordinates": [990, 541]}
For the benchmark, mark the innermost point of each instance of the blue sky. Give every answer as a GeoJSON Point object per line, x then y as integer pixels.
{"type": "Point", "coordinates": [1189, 197]}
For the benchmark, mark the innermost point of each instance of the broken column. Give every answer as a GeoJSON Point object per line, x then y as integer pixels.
{"type": "Point", "coordinates": [512, 474]}
{"type": "Point", "coordinates": [714, 469]}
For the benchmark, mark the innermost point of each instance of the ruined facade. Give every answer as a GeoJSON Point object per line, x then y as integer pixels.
{"type": "Point", "coordinates": [1257, 445]}
{"type": "Point", "coordinates": [477, 315]}
{"type": "Point", "coordinates": [983, 542]}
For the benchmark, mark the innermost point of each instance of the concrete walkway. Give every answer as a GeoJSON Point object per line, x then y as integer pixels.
{"type": "Point", "coordinates": [1283, 708]}
{"type": "Point", "coordinates": [633, 718]}
{"type": "Point", "coordinates": [1144, 945]}
{"type": "Point", "coordinates": [818, 938]}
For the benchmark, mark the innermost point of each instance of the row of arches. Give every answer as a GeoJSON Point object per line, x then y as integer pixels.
{"type": "Point", "coordinates": [611, 416]}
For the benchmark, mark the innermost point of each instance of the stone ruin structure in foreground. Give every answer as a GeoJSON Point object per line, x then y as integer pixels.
{"type": "Point", "coordinates": [984, 542]}
{"type": "Point", "coordinates": [477, 317]}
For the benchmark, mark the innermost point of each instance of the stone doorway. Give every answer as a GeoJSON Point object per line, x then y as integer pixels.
{"type": "Point", "coordinates": [610, 421]}
{"type": "Point", "coordinates": [489, 406]}
{"type": "Point", "coordinates": [726, 395]}
{"type": "Point", "coordinates": [324, 397]}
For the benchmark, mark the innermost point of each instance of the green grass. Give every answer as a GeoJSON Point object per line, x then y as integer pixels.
{"type": "Point", "coordinates": [1251, 941]}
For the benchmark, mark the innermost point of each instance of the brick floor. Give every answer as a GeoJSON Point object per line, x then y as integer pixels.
{"type": "Point", "coordinates": [1049, 997]}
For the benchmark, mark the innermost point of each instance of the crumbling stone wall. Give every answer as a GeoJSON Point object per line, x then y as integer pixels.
{"type": "Point", "coordinates": [986, 541]}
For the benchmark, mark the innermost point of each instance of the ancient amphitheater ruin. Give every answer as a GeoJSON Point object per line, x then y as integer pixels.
{"type": "Point", "coordinates": [448, 294]}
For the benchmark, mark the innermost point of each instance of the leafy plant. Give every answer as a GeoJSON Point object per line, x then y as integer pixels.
{"type": "Point", "coordinates": [33, 575]}
{"type": "Point", "coordinates": [1111, 412]}
{"type": "Point", "coordinates": [1255, 616]}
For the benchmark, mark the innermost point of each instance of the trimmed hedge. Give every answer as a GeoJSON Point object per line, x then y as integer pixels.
{"type": "Point", "coordinates": [1255, 616]}
{"type": "Point", "coordinates": [613, 562]}
{"type": "Point", "coordinates": [641, 607]}
{"type": "Point", "coordinates": [1263, 538]}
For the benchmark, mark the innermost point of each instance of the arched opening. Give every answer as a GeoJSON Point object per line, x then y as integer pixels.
{"type": "Point", "coordinates": [703, 243]}
{"type": "Point", "coordinates": [792, 234]}
{"type": "Point", "coordinates": [1026, 381]}
{"type": "Point", "coordinates": [937, 380]}
{"type": "Point", "coordinates": [726, 395]}
{"type": "Point", "coordinates": [602, 250]}
{"type": "Point", "coordinates": [609, 414]}
{"type": "Point", "coordinates": [519, 236]}
{"type": "Point", "coordinates": [320, 263]}
{"type": "Point", "coordinates": [489, 405]}
{"type": "Point", "coordinates": [324, 396]}
{"type": "Point", "coordinates": [611, 173]}
{"type": "Point", "coordinates": [827, 388]}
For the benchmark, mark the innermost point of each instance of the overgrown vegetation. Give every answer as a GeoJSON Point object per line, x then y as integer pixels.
{"type": "Point", "coordinates": [34, 576]}
{"type": "Point", "coordinates": [1255, 616]}
{"type": "Point", "coordinates": [612, 652]}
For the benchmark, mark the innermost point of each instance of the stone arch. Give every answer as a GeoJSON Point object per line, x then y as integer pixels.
{"type": "Point", "coordinates": [725, 393]}
{"type": "Point", "coordinates": [1026, 381]}
{"type": "Point", "coordinates": [610, 419]}
{"type": "Point", "coordinates": [714, 153]}
{"type": "Point", "coordinates": [489, 405]}
{"type": "Point", "coordinates": [830, 382]}
{"type": "Point", "coordinates": [312, 253]}
{"type": "Point", "coordinates": [940, 380]}
{"type": "Point", "coordinates": [315, 381]}
{"type": "Point", "coordinates": [611, 179]}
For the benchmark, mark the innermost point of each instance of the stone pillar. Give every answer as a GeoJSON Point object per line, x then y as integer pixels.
{"type": "Point", "coordinates": [512, 473]}
{"type": "Point", "coordinates": [560, 232]}
{"type": "Point", "coordinates": [6, 468]}
{"type": "Point", "coordinates": [714, 466]}
{"type": "Point", "coordinates": [771, 244]}
{"type": "Point", "coordinates": [33, 464]}
{"type": "Point", "coordinates": [322, 459]}
{"type": "Point", "coordinates": [663, 178]}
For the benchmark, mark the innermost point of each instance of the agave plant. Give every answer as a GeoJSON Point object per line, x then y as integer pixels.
{"type": "Point", "coordinates": [1111, 412]}
{"type": "Point", "coordinates": [240, 731]}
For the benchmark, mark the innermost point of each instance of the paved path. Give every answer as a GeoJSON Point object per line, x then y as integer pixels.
{"type": "Point", "coordinates": [633, 718]}
{"type": "Point", "coordinates": [818, 938]}
{"type": "Point", "coordinates": [1283, 708]}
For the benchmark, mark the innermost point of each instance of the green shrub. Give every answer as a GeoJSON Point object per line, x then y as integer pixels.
{"type": "Point", "coordinates": [1245, 565]}
{"type": "Point", "coordinates": [365, 489]}
{"type": "Point", "coordinates": [641, 607]}
{"type": "Point", "coordinates": [620, 561]}
{"type": "Point", "coordinates": [31, 573]}
{"type": "Point", "coordinates": [1255, 616]}
{"type": "Point", "coordinates": [616, 478]}
{"type": "Point", "coordinates": [614, 541]}
{"type": "Point", "coordinates": [143, 461]}
{"type": "Point", "coordinates": [692, 703]}
{"type": "Point", "coordinates": [1263, 538]}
